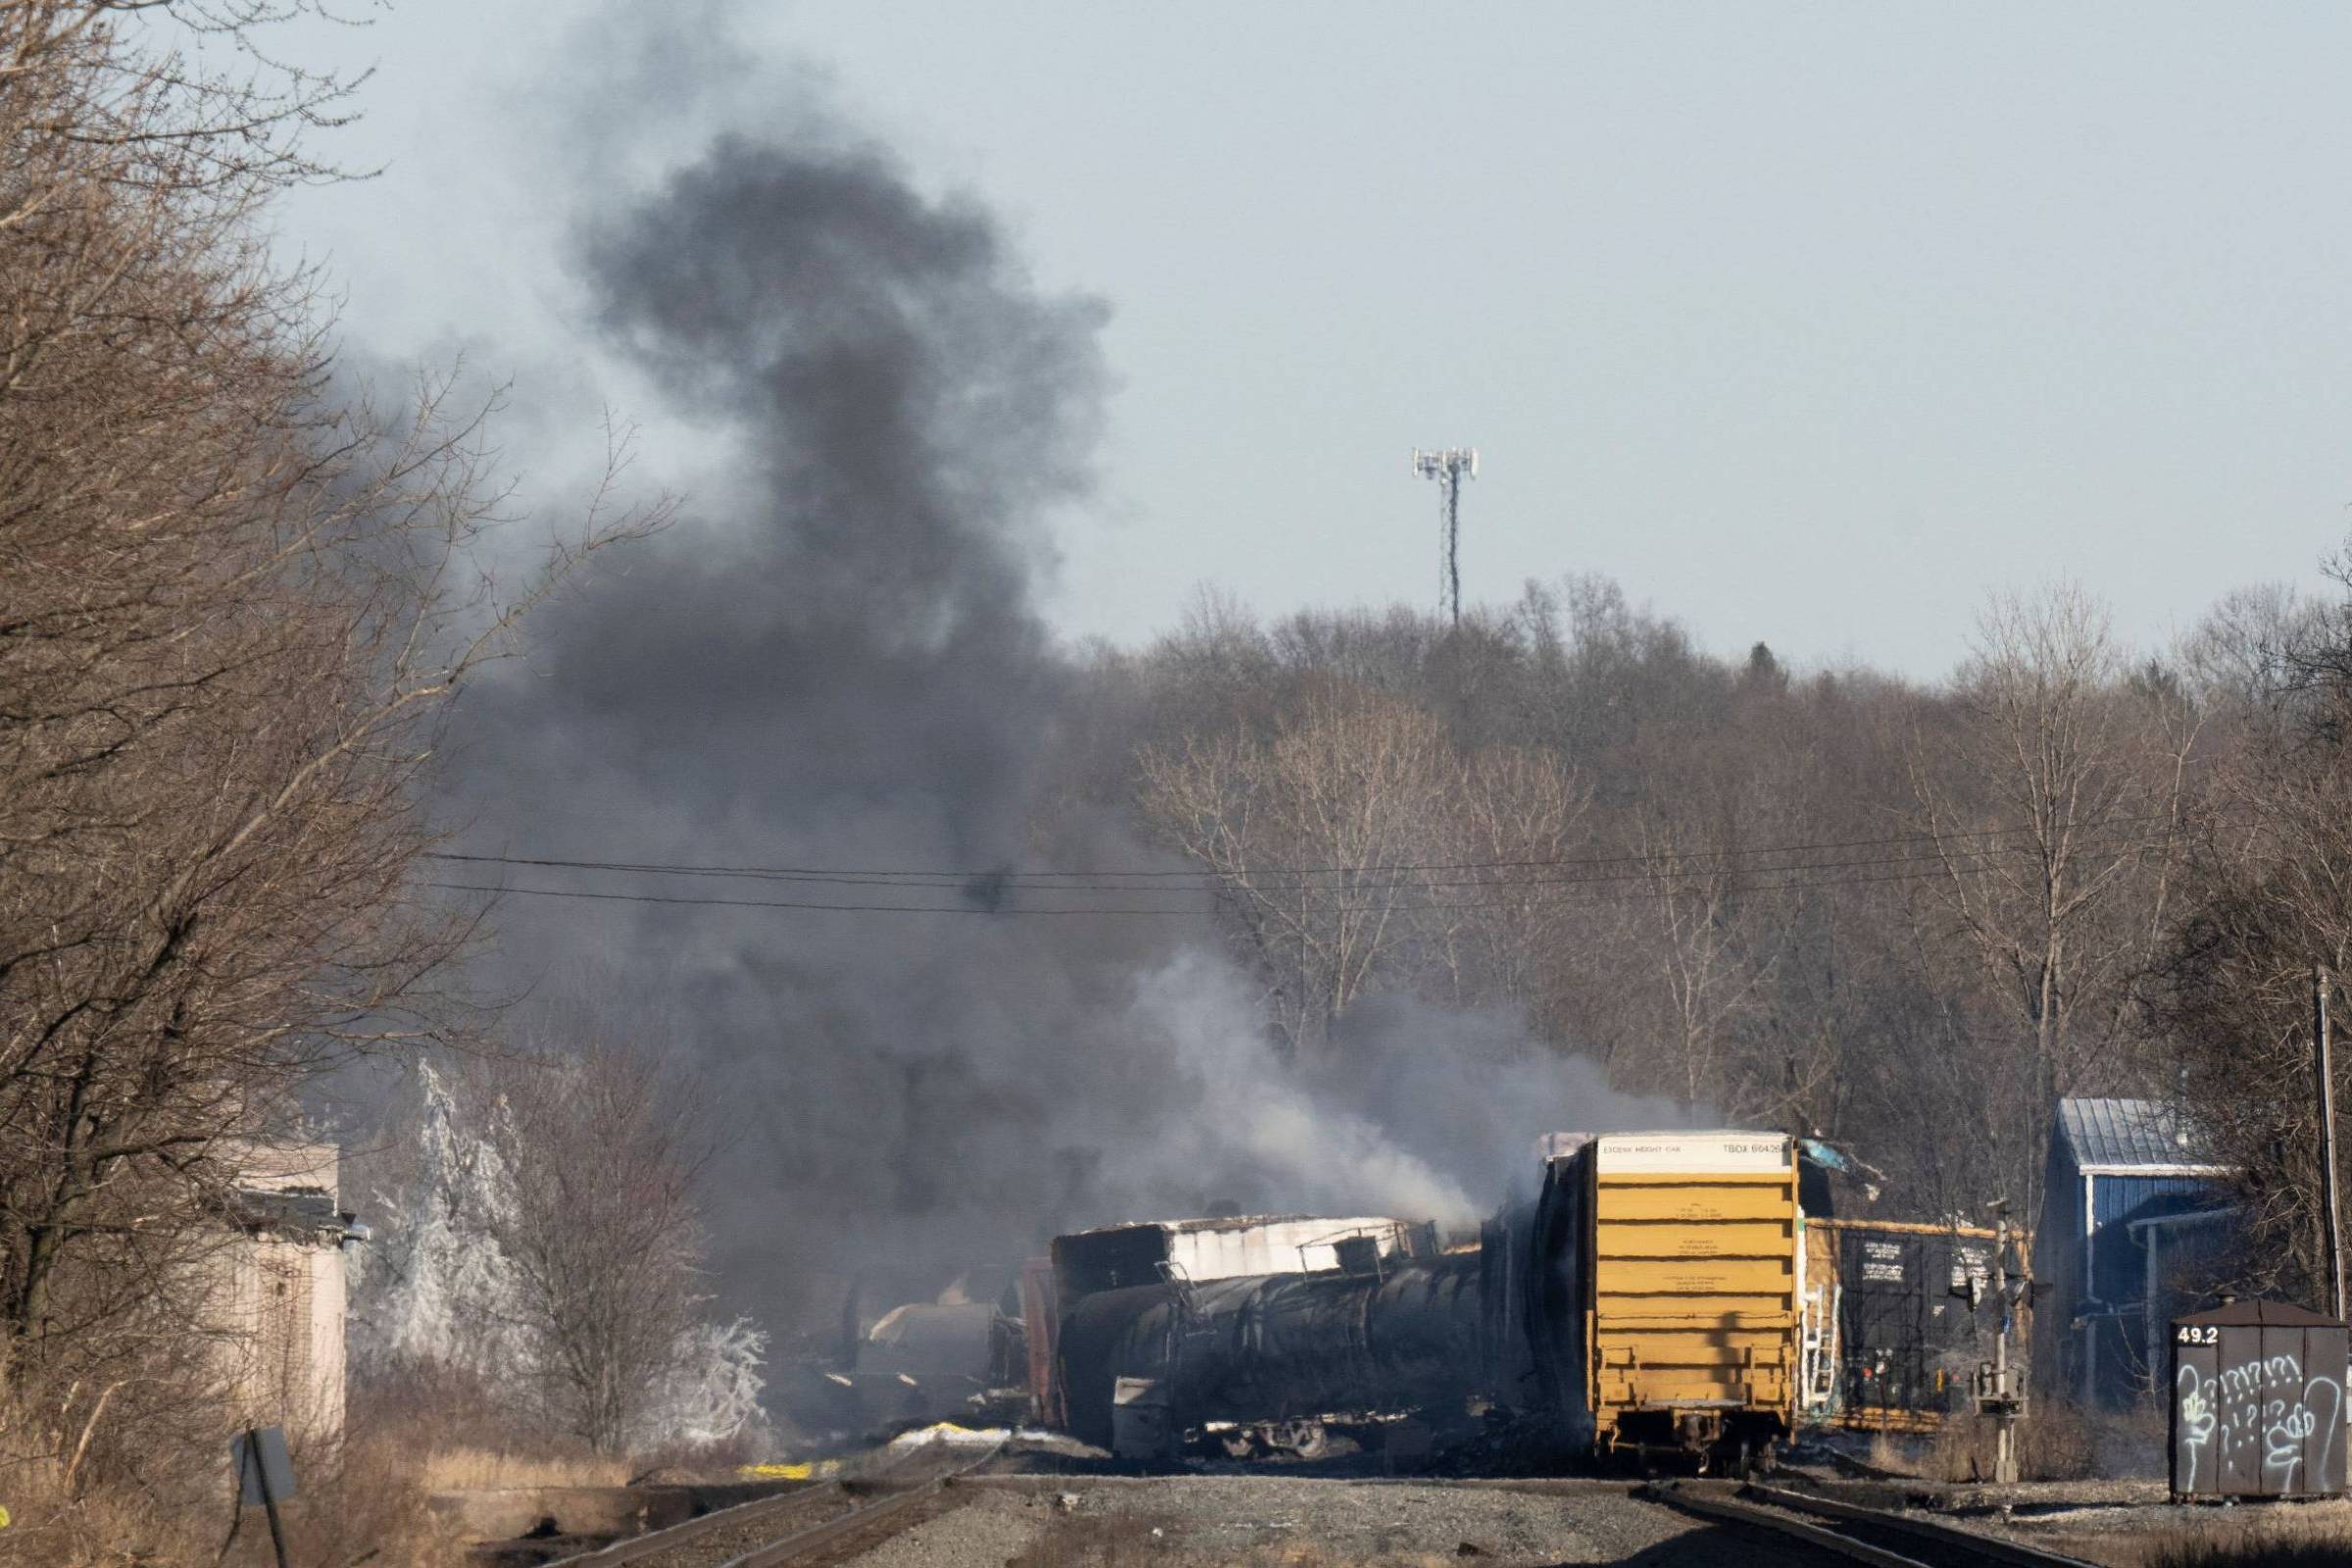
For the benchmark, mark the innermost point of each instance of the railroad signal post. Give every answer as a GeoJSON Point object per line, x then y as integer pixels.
{"type": "Point", "coordinates": [1998, 1395]}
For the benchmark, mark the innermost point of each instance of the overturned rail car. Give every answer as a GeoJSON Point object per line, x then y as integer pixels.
{"type": "Point", "coordinates": [1643, 1296]}
{"type": "Point", "coordinates": [1269, 1348]}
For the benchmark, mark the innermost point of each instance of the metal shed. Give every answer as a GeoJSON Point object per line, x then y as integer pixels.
{"type": "Point", "coordinates": [2258, 1402]}
{"type": "Point", "coordinates": [2112, 1162]}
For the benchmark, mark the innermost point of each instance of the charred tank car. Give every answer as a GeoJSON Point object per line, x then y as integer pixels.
{"type": "Point", "coordinates": [1280, 1354]}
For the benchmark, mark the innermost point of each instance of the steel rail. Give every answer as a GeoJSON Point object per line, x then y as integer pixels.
{"type": "Point", "coordinates": [813, 1538]}
{"type": "Point", "coordinates": [1688, 1499]}
{"type": "Point", "coordinates": [1950, 1537]}
{"type": "Point", "coordinates": [1772, 1508]}
{"type": "Point", "coordinates": [781, 1505]}
{"type": "Point", "coordinates": [826, 1533]}
{"type": "Point", "coordinates": [636, 1548]}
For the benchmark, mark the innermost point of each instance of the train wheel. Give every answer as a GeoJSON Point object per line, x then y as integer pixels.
{"type": "Point", "coordinates": [1310, 1442]}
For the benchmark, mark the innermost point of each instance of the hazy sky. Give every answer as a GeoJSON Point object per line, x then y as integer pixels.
{"type": "Point", "coordinates": [1808, 324]}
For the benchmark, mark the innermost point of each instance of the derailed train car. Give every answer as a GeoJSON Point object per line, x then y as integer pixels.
{"type": "Point", "coordinates": [1644, 1294]}
{"type": "Point", "coordinates": [1649, 1294]}
{"type": "Point", "coordinates": [1277, 1354]}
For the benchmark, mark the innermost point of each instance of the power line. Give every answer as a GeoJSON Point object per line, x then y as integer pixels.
{"type": "Point", "coordinates": [1615, 896]}
{"type": "Point", "coordinates": [785, 904]}
{"type": "Point", "coordinates": [1209, 881]}
{"type": "Point", "coordinates": [1098, 880]}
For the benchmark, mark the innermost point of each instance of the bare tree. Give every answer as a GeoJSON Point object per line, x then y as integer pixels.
{"type": "Point", "coordinates": [1693, 927]}
{"type": "Point", "coordinates": [2268, 896]}
{"type": "Point", "coordinates": [1956, 929]}
{"type": "Point", "coordinates": [1308, 834]}
{"type": "Point", "coordinates": [601, 1142]}
{"type": "Point", "coordinates": [232, 611]}
{"type": "Point", "coordinates": [2054, 804]}
{"type": "Point", "coordinates": [1513, 822]}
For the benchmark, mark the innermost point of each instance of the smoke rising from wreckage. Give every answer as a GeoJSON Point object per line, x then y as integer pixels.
{"type": "Point", "coordinates": [1692, 1295]}
{"type": "Point", "coordinates": [1645, 1296]}
{"type": "Point", "coordinates": [835, 658]}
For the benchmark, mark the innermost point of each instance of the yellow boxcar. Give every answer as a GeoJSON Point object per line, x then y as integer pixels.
{"type": "Point", "coordinates": [1691, 1291]}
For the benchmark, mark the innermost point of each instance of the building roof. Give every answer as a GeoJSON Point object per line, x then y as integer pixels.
{"type": "Point", "coordinates": [2132, 1134]}
{"type": "Point", "coordinates": [2186, 1220]}
{"type": "Point", "coordinates": [288, 1212]}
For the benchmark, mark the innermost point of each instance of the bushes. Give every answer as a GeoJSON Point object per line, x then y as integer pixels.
{"type": "Point", "coordinates": [2059, 1442]}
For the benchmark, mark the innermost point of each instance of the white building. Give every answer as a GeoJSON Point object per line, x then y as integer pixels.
{"type": "Point", "coordinates": [281, 1299]}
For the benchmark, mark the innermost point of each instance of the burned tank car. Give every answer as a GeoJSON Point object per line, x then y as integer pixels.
{"type": "Point", "coordinates": [1276, 1348]}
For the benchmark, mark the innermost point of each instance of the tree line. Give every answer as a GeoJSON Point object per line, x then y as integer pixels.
{"type": "Point", "coordinates": [1904, 917]}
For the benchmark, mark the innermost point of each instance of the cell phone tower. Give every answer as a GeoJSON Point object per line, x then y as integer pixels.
{"type": "Point", "coordinates": [1449, 467]}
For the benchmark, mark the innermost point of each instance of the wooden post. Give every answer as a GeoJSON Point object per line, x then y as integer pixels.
{"type": "Point", "coordinates": [2334, 1236]}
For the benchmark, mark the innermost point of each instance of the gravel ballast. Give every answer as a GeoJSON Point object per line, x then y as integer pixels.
{"type": "Point", "coordinates": [1299, 1522]}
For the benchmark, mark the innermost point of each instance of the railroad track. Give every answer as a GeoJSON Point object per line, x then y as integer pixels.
{"type": "Point", "coordinates": [821, 1521]}
{"type": "Point", "coordinates": [1872, 1536]}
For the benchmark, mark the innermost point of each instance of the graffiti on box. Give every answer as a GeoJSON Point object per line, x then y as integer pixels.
{"type": "Point", "coordinates": [2261, 1413]}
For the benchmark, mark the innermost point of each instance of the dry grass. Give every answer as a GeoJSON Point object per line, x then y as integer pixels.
{"type": "Point", "coordinates": [2271, 1535]}
{"type": "Point", "coordinates": [151, 1495]}
{"type": "Point", "coordinates": [111, 1481]}
{"type": "Point", "coordinates": [1888, 1451]}
{"type": "Point", "coordinates": [56, 1526]}
{"type": "Point", "coordinates": [2057, 1443]}
{"type": "Point", "coordinates": [468, 1468]}
{"type": "Point", "coordinates": [356, 1502]}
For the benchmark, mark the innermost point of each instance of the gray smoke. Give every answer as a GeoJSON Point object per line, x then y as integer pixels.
{"type": "Point", "coordinates": [830, 661]}
{"type": "Point", "coordinates": [1469, 1089]}
{"type": "Point", "coordinates": [833, 660]}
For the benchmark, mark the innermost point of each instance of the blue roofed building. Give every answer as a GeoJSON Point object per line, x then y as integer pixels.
{"type": "Point", "coordinates": [2128, 1210]}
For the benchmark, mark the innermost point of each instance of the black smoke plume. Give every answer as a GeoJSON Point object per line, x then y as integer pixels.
{"type": "Point", "coordinates": [834, 661]}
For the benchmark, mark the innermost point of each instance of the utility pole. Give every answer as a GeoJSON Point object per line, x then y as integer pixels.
{"type": "Point", "coordinates": [1449, 467]}
{"type": "Point", "coordinates": [2334, 1236]}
